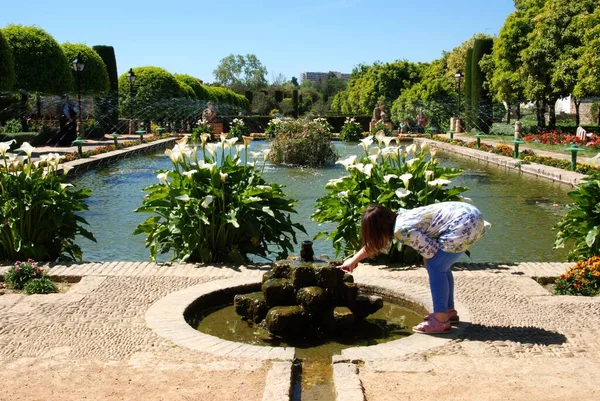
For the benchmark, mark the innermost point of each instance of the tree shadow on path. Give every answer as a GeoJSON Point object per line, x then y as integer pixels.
{"type": "Point", "coordinates": [523, 335]}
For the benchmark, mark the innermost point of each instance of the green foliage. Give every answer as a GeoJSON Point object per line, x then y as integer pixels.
{"type": "Point", "coordinates": [274, 127]}
{"type": "Point", "coordinates": [39, 213]}
{"type": "Point", "coordinates": [11, 127]}
{"type": "Point", "coordinates": [40, 64]}
{"type": "Point", "coordinates": [303, 142]}
{"type": "Point", "coordinates": [434, 93]}
{"type": "Point", "coordinates": [241, 72]}
{"type": "Point", "coordinates": [369, 84]}
{"type": "Point", "coordinates": [389, 176]}
{"type": "Point", "coordinates": [588, 79]}
{"type": "Point", "coordinates": [238, 129]}
{"type": "Point", "coordinates": [187, 90]}
{"type": "Point", "coordinates": [217, 208]}
{"type": "Point", "coordinates": [7, 65]}
{"type": "Point", "coordinates": [581, 224]}
{"type": "Point", "coordinates": [468, 87]}
{"type": "Point", "coordinates": [155, 86]}
{"type": "Point", "coordinates": [381, 127]}
{"type": "Point", "coordinates": [42, 285]}
{"type": "Point", "coordinates": [106, 108]}
{"type": "Point", "coordinates": [203, 127]}
{"type": "Point", "coordinates": [94, 77]}
{"type": "Point", "coordinates": [481, 101]}
{"type": "Point", "coordinates": [195, 84]}
{"type": "Point", "coordinates": [582, 279]}
{"type": "Point", "coordinates": [21, 273]}
{"type": "Point", "coordinates": [217, 94]}
{"type": "Point", "coordinates": [351, 131]}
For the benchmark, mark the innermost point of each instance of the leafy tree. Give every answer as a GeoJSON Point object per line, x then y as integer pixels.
{"type": "Point", "coordinates": [40, 64]}
{"type": "Point", "coordinates": [7, 66]}
{"type": "Point", "coordinates": [241, 72]}
{"type": "Point", "coordinates": [295, 81]}
{"type": "Point", "coordinates": [588, 82]}
{"type": "Point", "coordinates": [94, 77]}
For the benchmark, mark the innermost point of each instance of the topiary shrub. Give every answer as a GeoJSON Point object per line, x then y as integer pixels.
{"type": "Point", "coordinates": [21, 273]}
{"type": "Point", "coordinates": [40, 63]}
{"type": "Point", "coordinates": [107, 107]}
{"type": "Point", "coordinates": [7, 65]}
{"type": "Point", "coordinates": [195, 84]}
{"type": "Point", "coordinates": [303, 143]}
{"type": "Point", "coordinates": [94, 77]}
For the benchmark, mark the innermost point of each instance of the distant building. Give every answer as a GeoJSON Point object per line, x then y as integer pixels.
{"type": "Point", "coordinates": [317, 77]}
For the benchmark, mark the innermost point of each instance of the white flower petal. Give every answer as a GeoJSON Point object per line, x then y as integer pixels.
{"type": "Point", "coordinates": [401, 192]}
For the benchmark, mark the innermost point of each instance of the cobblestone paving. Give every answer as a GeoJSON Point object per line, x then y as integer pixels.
{"type": "Point", "coordinates": [101, 319]}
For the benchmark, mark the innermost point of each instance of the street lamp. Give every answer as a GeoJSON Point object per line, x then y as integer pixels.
{"type": "Point", "coordinates": [78, 66]}
{"type": "Point", "coordinates": [458, 77]}
{"type": "Point", "coordinates": [131, 79]}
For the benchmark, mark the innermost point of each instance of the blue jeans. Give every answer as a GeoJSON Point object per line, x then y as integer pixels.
{"type": "Point", "coordinates": [441, 280]}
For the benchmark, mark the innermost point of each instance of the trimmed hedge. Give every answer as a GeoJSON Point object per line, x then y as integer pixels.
{"type": "Point", "coordinates": [219, 94]}
{"type": "Point", "coordinates": [195, 84]}
{"type": "Point", "coordinates": [480, 96]}
{"type": "Point", "coordinates": [40, 63]}
{"type": "Point", "coordinates": [94, 77]}
{"type": "Point", "coordinates": [19, 137]}
{"type": "Point", "coordinates": [107, 107]}
{"type": "Point", "coordinates": [7, 66]}
{"type": "Point", "coordinates": [468, 85]}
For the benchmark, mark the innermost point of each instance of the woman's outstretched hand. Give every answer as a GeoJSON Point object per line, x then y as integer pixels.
{"type": "Point", "coordinates": [349, 265]}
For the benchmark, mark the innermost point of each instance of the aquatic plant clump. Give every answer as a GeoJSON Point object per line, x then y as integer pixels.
{"type": "Point", "coordinates": [307, 301]}
{"type": "Point", "coordinates": [215, 206]}
{"type": "Point", "coordinates": [387, 175]}
{"type": "Point", "coordinates": [39, 214]}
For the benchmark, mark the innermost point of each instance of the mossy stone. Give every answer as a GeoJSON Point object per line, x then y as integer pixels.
{"type": "Point", "coordinates": [303, 276]}
{"type": "Point", "coordinates": [267, 276]}
{"type": "Point", "coordinates": [343, 319]}
{"type": "Point", "coordinates": [252, 308]}
{"type": "Point", "coordinates": [313, 299]}
{"type": "Point", "coordinates": [329, 277]}
{"type": "Point", "coordinates": [281, 270]}
{"type": "Point", "coordinates": [348, 278]}
{"type": "Point", "coordinates": [287, 321]}
{"type": "Point", "coordinates": [365, 305]}
{"type": "Point", "coordinates": [346, 294]}
{"type": "Point", "coordinates": [279, 292]}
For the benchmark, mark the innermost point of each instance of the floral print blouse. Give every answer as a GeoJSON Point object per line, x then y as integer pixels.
{"type": "Point", "coordinates": [450, 226]}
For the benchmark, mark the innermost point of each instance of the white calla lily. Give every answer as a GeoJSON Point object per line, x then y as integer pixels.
{"type": "Point", "coordinates": [411, 148]}
{"type": "Point", "coordinates": [65, 169]}
{"type": "Point", "coordinates": [207, 201]}
{"type": "Point", "coordinates": [439, 182]}
{"type": "Point", "coordinates": [204, 138]}
{"type": "Point", "coordinates": [402, 193]}
{"type": "Point", "coordinates": [433, 152]}
{"type": "Point", "coordinates": [162, 177]}
{"type": "Point", "coordinates": [4, 146]}
{"type": "Point", "coordinates": [223, 176]}
{"type": "Point", "coordinates": [367, 170]}
{"type": "Point", "coordinates": [347, 161]}
{"type": "Point", "coordinates": [406, 178]}
{"type": "Point", "coordinates": [373, 158]}
{"type": "Point", "coordinates": [268, 211]}
{"type": "Point", "coordinates": [428, 175]}
{"type": "Point", "coordinates": [27, 148]}
{"type": "Point", "coordinates": [254, 155]}
{"type": "Point", "coordinates": [388, 139]}
{"type": "Point", "coordinates": [65, 186]}
{"type": "Point", "coordinates": [211, 148]}
{"type": "Point", "coordinates": [366, 142]}
{"type": "Point", "coordinates": [410, 162]}
{"type": "Point", "coordinates": [189, 173]}
{"type": "Point", "coordinates": [184, 198]}
{"type": "Point", "coordinates": [379, 136]}
{"type": "Point", "coordinates": [266, 153]}
{"type": "Point", "coordinates": [388, 177]}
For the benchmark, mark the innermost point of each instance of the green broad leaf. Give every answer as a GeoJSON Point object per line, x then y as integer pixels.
{"type": "Point", "coordinates": [591, 236]}
{"type": "Point", "coordinates": [235, 256]}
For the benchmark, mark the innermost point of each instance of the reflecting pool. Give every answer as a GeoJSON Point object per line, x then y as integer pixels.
{"type": "Point", "coordinates": [521, 208]}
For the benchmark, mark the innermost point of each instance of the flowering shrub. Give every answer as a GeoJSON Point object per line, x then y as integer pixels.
{"type": "Point", "coordinates": [21, 273]}
{"type": "Point", "coordinates": [389, 176]}
{"type": "Point", "coordinates": [38, 212]}
{"type": "Point", "coordinates": [274, 126]}
{"type": "Point", "coordinates": [203, 127]}
{"type": "Point", "coordinates": [351, 131]}
{"type": "Point", "coordinates": [42, 285]}
{"type": "Point", "coordinates": [214, 206]}
{"type": "Point", "coordinates": [581, 224]}
{"type": "Point", "coordinates": [581, 279]}
{"type": "Point", "coordinates": [381, 127]}
{"type": "Point", "coordinates": [303, 142]}
{"type": "Point", "coordinates": [238, 129]}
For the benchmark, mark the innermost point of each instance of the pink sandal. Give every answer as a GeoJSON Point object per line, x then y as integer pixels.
{"type": "Point", "coordinates": [452, 316]}
{"type": "Point", "coordinates": [432, 326]}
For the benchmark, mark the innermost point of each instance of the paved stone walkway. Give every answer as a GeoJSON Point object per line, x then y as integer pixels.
{"type": "Point", "coordinates": [94, 338]}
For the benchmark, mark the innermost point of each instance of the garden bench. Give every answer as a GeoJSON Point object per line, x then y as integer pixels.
{"type": "Point", "coordinates": [582, 134]}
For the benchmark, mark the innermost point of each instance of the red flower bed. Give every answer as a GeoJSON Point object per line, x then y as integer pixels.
{"type": "Point", "coordinates": [557, 138]}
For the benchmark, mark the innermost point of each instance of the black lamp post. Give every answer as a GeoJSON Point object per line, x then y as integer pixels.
{"type": "Point", "coordinates": [131, 79]}
{"type": "Point", "coordinates": [458, 77]}
{"type": "Point", "coordinates": [78, 66]}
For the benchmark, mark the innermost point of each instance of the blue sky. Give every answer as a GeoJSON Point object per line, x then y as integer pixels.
{"type": "Point", "coordinates": [288, 37]}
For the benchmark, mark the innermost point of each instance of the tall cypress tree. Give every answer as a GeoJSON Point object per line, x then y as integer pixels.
{"type": "Point", "coordinates": [480, 97]}
{"type": "Point", "coordinates": [107, 107]}
{"type": "Point", "coordinates": [468, 99]}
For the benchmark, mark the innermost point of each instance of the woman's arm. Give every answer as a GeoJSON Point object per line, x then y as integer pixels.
{"type": "Point", "coordinates": [351, 263]}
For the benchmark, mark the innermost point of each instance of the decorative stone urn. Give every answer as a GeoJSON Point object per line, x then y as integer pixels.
{"type": "Point", "coordinates": [518, 128]}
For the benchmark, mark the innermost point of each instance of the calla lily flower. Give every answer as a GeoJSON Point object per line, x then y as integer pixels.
{"type": "Point", "coordinates": [189, 174]}
{"type": "Point", "coordinates": [223, 176]}
{"type": "Point", "coordinates": [162, 177]}
{"type": "Point", "coordinates": [411, 148]}
{"type": "Point", "coordinates": [410, 162]}
{"type": "Point", "coordinates": [347, 161]}
{"type": "Point", "coordinates": [439, 182]}
{"type": "Point", "coordinates": [266, 153]}
{"type": "Point", "coordinates": [388, 177]}
{"type": "Point", "coordinates": [27, 148]}
{"type": "Point", "coordinates": [66, 169]}
{"type": "Point", "coordinates": [402, 193]}
{"type": "Point", "coordinates": [406, 178]}
{"type": "Point", "coordinates": [223, 137]}
{"type": "Point", "coordinates": [254, 155]}
{"type": "Point", "coordinates": [388, 139]}
{"type": "Point", "coordinates": [380, 135]}
{"type": "Point", "coordinates": [247, 140]}
{"type": "Point", "coordinates": [366, 142]}
{"type": "Point", "coordinates": [4, 146]}
{"type": "Point", "coordinates": [268, 211]}
{"type": "Point", "coordinates": [373, 158]}
{"type": "Point", "coordinates": [64, 186]}
{"type": "Point", "coordinates": [367, 169]}
{"type": "Point", "coordinates": [207, 201]}
{"type": "Point", "coordinates": [211, 148]}
{"type": "Point", "coordinates": [433, 152]}
{"type": "Point", "coordinates": [204, 137]}
{"type": "Point", "coordinates": [428, 175]}
{"type": "Point", "coordinates": [184, 198]}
